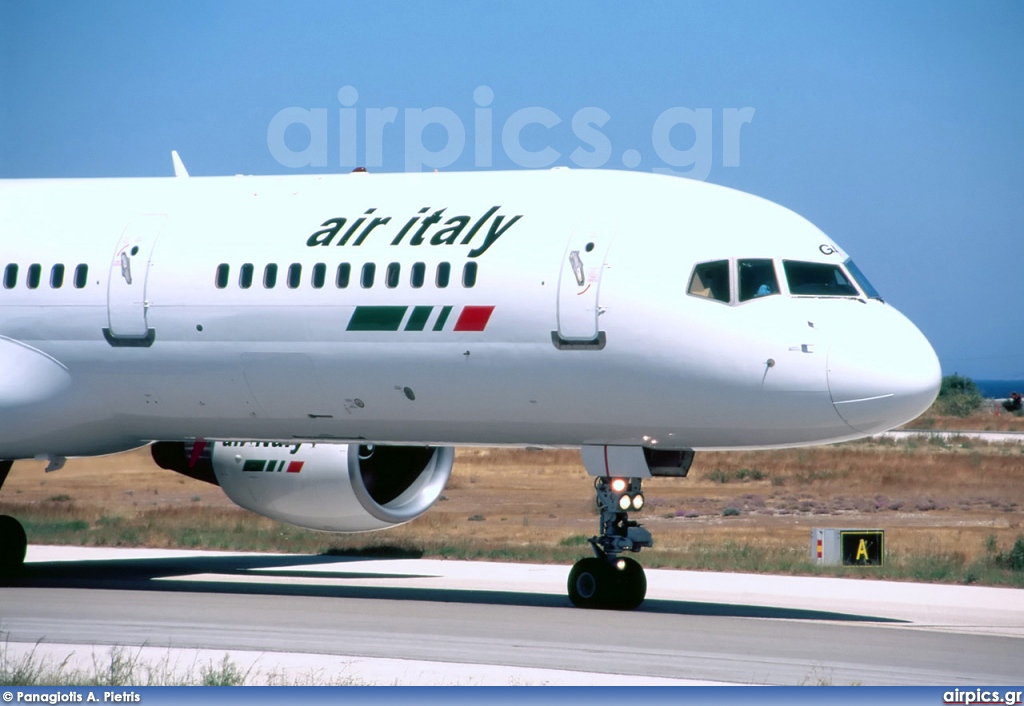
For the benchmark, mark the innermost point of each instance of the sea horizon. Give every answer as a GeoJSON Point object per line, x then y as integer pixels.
{"type": "Point", "coordinates": [1001, 388]}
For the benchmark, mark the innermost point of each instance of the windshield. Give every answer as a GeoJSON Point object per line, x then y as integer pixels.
{"type": "Point", "coordinates": [711, 281]}
{"type": "Point", "coordinates": [817, 279]}
{"type": "Point", "coordinates": [756, 278]}
{"type": "Point", "coordinates": [870, 291]}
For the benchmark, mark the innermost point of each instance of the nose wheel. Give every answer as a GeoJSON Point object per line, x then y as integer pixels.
{"type": "Point", "coordinates": [596, 582]}
{"type": "Point", "coordinates": [608, 580]}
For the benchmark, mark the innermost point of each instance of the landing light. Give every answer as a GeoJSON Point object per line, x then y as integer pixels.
{"type": "Point", "coordinates": [638, 502]}
{"type": "Point", "coordinates": [624, 502]}
{"type": "Point", "coordinates": [620, 565]}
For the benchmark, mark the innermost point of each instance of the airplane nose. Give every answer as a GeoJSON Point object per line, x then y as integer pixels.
{"type": "Point", "coordinates": [882, 372]}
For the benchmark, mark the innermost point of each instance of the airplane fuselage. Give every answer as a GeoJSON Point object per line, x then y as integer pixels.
{"type": "Point", "coordinates": [526, 308]}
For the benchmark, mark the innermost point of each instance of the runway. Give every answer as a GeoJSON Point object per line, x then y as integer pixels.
{"type": "Point", "coordinates": [477, 622]}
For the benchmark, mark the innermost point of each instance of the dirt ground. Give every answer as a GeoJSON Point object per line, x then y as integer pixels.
{"type": "Point", "coordinates": [956, 496]}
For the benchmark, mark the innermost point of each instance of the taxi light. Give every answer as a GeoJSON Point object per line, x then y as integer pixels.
{"type": "Point", "coordinates": [618, 485]}
{"type": "Point", "coordinates": [624, 502]}
{"type": "Point", "coordinates": [638, 502]}
{"type": "Point", "coordinates": [620, 565]}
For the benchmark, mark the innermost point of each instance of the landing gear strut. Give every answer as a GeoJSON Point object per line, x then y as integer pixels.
{"type": "Point", "coordinates": [608, 580]}
{"type": "Point", "coordinates": [13, 542]}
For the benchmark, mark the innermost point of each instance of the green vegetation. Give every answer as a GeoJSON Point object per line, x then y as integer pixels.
{"type": "Point", "coordinates": [806, 477]}
{"type": "Point", "coordinates": [742, 475]}
{"type": "Point", "coordinates": [236, 530]}
{"type": "Point", "coordinates": [717, 475]}
{"type": "Point", "coordinates": [125, 667]}
{"type": "Point", "coordinates": [573, 540]}
{"type": "Point", "coordinates": [742, 557]}
{"type": "Point", "coordinates": [959, 396]}
{"type": "Point", "coordinates": [122, 667]}
{"type": "Point", "coordinates": [227, 673]}
{"type": "Point", "coordinates": [1013, 559]}
{"type": "Point", "coordinates": [994, 569]}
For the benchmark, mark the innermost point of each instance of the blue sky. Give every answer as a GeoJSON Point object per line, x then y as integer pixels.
{"type": "Point", "coordinates": [897, 130]}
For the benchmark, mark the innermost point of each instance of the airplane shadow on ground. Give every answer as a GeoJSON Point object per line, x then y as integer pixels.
{"type": "Point", "coordinates": [158, 574]}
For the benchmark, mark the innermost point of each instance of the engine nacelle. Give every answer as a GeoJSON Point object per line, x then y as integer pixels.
{"type": "Point", "coordinates": [330, 487]}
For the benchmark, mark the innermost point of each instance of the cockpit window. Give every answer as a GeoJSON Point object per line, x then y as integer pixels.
{"type": "Point", "coordinates": [870, 291]}
{"type": "Point", "coordinates": [711, 280]}
{"type": "Point", "coordinates": [817, 279]}
{"type": "Point", "coordinates": [756, 279]}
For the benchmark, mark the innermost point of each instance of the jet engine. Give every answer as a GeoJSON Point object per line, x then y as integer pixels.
{"type": "Point", "coordinates": [329, 487]}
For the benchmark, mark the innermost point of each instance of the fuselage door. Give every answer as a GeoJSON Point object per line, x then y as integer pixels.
{"type": "Point", "coordinates": [579, 285]}
{"type": "Point", "coordinates": [126, 286]}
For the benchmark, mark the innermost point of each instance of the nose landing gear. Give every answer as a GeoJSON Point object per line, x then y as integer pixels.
{"type": "Point", "coordinates": [608, 580]}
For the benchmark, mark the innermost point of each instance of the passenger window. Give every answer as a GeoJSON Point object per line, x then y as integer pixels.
{"type": "Point", "coordinates": [223, 270]}
{"type": "Point", "coordinates": [57, 276]}
{"type": "Point", "coordinates": [294, 275]}
{"type": "Point", "coordinates": [81, 276]}
{"type": "Point", "coordinates": [444, 272]}
{"type": "Point", "coordinates": [344, 273]}
{"type": "Point", "coordinates": [369, 270]}
{"type": "Point", "coordinates": [10, 276]}
{"type": "Point", "coordinates": [756, 279]}
{"type": "Point", "coordinates": [419, 271]}
{"type": "Point", "coordinates": [319, 275]}
{"type": "Point", "coordinates": [35, 273]}
{"type": "Point", "coordinates": [394, 271]}
{"type": "Point", "coordinates": [270, 276]}
{"type": "Point", "coordinates": [245, 276]}
{"type": "Point", "coordinates": [817, 279]}
{"type": "Point", "coordinates": [469, 274]}
{"type": "Point", "coordinates": [711, 281]}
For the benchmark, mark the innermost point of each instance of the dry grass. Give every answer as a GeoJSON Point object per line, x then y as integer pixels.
{"type": "Point", "coordinates": [990, 417]}
{"type": "Point", "coordinates": [956, 502]}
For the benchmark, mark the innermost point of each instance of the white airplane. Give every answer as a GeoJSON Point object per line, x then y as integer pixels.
{"type": "Point", "coordinates": [316, 345]}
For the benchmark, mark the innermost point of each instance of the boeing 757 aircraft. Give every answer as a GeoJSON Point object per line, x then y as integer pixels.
{"type": "Point", "coordinates": [317, 345]}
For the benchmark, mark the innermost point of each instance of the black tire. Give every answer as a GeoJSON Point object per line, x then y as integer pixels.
{"type": "Point", "coordinates": [596, 583]}
{"type": "Point", "coordinates": [630, 584]}
{"type": "Point", "coordinates": [13, 544]}
{"type": "Point", "coordinates": [587, 582]}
